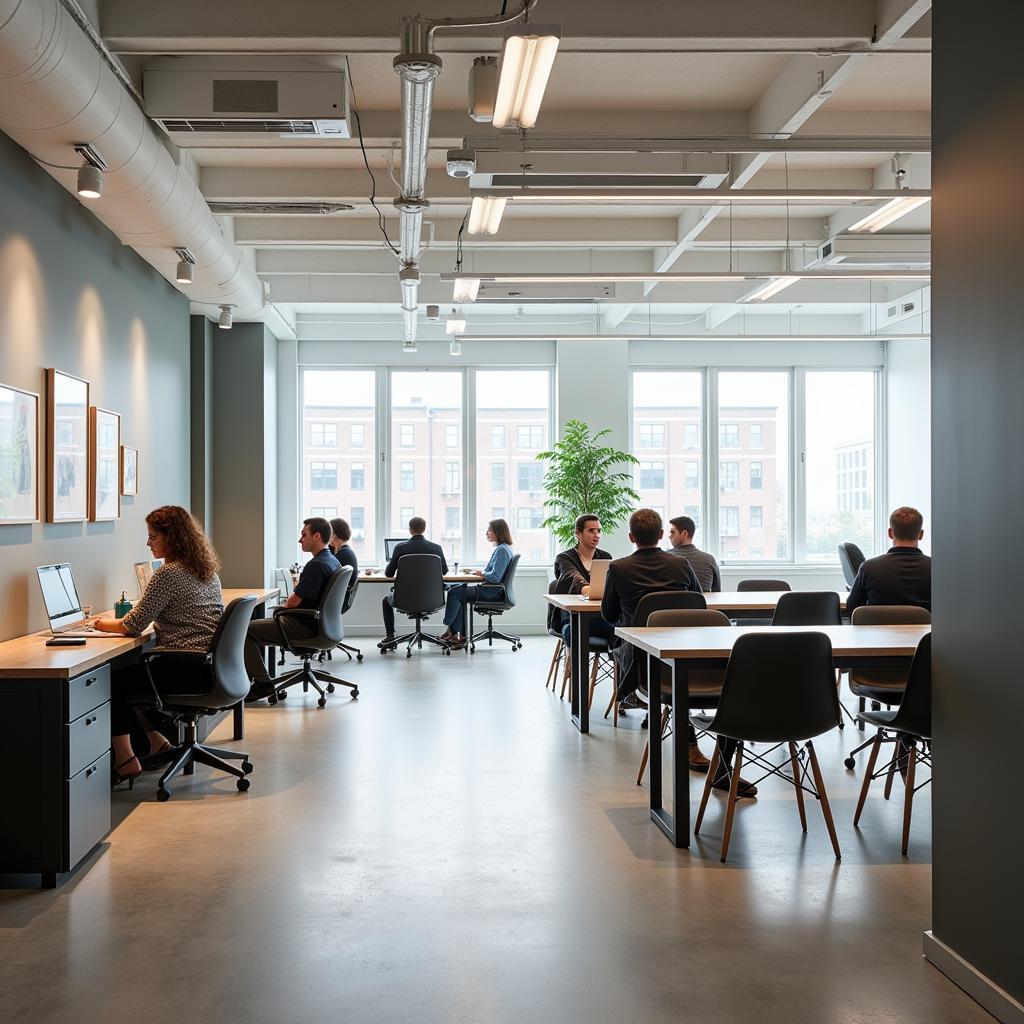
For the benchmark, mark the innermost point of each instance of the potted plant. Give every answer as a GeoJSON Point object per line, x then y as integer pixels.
{"type": "Point", "coordinates": [586, 476]}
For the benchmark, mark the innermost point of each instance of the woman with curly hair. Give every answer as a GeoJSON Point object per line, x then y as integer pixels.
{"type": "Point", "coordinates": [183, 602]}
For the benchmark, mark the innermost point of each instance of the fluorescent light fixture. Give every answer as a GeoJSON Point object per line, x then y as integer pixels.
{"type": "Point", "coordinates": [816, 338]}
{"type": "Point", "coordinates": [766, 291]}
{"type": "Point", "coordinates": [485, 215]}
{"type": "Point", "coordinates": [526, 61]}
{"type": "Point", "coordinates": [455, 347]}
{"type": "Point", "coordinates": [695, 277]}
{"type": "Point", "coordinates": [466, 288]}
{"type": "Point", "coordinates": [891, 211]}
{"type": "Point", "coordinates": [673, 195]}
{"type": "Point", "coordinates": [224, 322]}
{"type": "Point", "coordinates": [454, 326]}
{"type": "Point", "coordinates": [90, 182]}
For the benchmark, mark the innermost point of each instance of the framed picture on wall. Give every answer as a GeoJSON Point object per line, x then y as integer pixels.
{"type": "Point", "coordinates": [19, 456]}
{"type": "Point", "coordinates": [67, 439]}
{"type": "Point", "coordinates": [129, 470]}
{"type": "Point", "coordinates": [105, 460]}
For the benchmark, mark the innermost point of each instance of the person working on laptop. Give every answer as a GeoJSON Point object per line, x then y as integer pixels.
{"type": "Point", "coordinates": [903, 575]}
{"type": "Point", "coordinates": [417, 544]}
{"type": "Point", "coordinates": [183, 602]}
{"type": "Point", "coordinates": [308, 592]}
{"type": "Point", "coordinates": [572, 571]}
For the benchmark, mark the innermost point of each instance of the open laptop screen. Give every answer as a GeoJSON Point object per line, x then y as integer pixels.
{"type": "Point", "coordinates": [59, 594]}
{"type": "Point", "coordinates": [390, 543]}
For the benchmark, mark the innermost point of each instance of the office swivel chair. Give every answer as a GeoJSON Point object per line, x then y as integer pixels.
{"type": "Point", "coordinates": [342, 646]}
{"type": "Point", "coordinates": [327, 621]}
{"type": "Point", "coordinates": [851, 558]}
{"type": "Point", "coordinates": [229, 683]}
{"type": "Point", "coordinates": [495, 606]}
{"type": "Point", "coordinates": [419, 592]}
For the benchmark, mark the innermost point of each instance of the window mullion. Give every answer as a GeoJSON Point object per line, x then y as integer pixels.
{"type": "Point", "coordinates": [798, 462]}
{"type": "Point", "coordinates": [383, 474]}
{"type": "Point", "coordinates": [469, 476]}
{"type": "Point", "coordinates": [713, 533]}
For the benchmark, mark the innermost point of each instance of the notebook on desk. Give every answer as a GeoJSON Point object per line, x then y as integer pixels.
{"type": "Point", "coordinates": [63, 608]}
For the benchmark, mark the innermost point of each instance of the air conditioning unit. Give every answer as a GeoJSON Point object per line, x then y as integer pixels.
{"type": "Point", "coordinates": [247, 95]}
{"type": "Point", "coordinates": [540, 293]}
{"type": "Point", "coordinates": [894, 251]}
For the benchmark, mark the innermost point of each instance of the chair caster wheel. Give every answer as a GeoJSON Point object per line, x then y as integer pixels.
{"type": "Point", "coordinates": [247, 767]}
{"type": "Point", "coordinates": [330, 687]}
{"type": "Point", "coordinates": [514, 648]}
{"type": "Point", "coordinates": [272, 699]}
{"type": "Point", "coordinates": [282, 694]}
{"type": "Point", "coordinates": [472, 648]}
{"type": "Point", "coordinates": [355, 694]}
{"type": "Point", "coordinates": [408, 654]}
{"type": "Point", "coordinates": [242, 785]}
{"type": "Point", "coordinates": [163, 795]}
{"type": "Point", "coordinates": [850, 763]}
{"type": "Point", "coordinates": [322, 702]}
{"type": "Point", "coordinates": [359, 657]}
{"type": "Point", "coordinates": [842, 724]}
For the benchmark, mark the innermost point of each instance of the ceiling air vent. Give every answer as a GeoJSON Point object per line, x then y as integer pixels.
{"type": "Point", "coordinates": [245, 95]}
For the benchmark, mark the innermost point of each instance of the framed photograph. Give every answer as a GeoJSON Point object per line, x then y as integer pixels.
{"type": "Point", "coordinates": [105, 460]}
{"type": "Point", "coordinates": [129, 470]}
{"type": "Point", "coordinates": [19, 456]}
{"type": "Point", "coordinates": [67, 438]}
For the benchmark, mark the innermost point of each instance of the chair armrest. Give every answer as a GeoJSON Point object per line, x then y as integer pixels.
{"type": "Point", "coordinates": [282, 616]}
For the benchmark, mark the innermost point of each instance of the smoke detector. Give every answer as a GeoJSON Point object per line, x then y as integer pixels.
{"type": "Point", "coordinates": [461, 163]}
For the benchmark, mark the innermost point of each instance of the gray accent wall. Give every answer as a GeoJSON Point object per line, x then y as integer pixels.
{"type": "Point", "coordinates": [978, 486]}
{"type": "Point", "coordinates": [73, 297]}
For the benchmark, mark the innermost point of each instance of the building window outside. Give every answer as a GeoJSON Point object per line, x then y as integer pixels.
{"type": "Point", "coordinates": [652, 476]}
{"type": "Point", "coordinates": [756, 436]}
{"type": "Point", "coordinates": [357, 435]}
{"type": "Point", "coordinates": [497, 438]}
{"type": "Point", "coordinates": [729, 435]}
{"type": "Point", "coordinates": [323, 511]}
{"type": "Point", "coordinates": [729, 476]}
{"type": "Point", "coordinates": [691, 475]}
{"type": "Point", "coordinates": [529, 518]}
{"type": "Point", "coordinates": [530, 437]}
{"type": "Point", "coordinates": [756, 517]}
{"type": "Point", "coordinates": [451, 522]}
{"type": "Point", "coordinates": [323, 435]}
{"type": "Point", "coordinates": [407, 476]}
{"type": "Point", "coordinates": [357, 476]}
{"type": "Point", "coordinates": [407, 435]}
{"type": "Point", "coordinates": [691, 435]}
{"type": "Point", "coordinates": [693, 511]}
{"type": "Point", "coordinates": [323, 476]}
{"type": "Point", "coordinates": [451, 435]}
{"type": "Point", "coordinates": [497, 476]}
{"type": "Point", "coordinates": [530, 476]}
{"type": "Point", "coordinates": [452, 478]}
{"type": "Point", "coordinates": [652, 435]}
{"type": "Point", "coordinates": [756, 477]}
{"type": "Point", "coordinates": [357, 519]}
{"type": "Point", "coordinates": [405, 513]}
{"type": "Point", "coordinates": [731, 522]}
{"type": "Point", "coordinates": [498, 512]}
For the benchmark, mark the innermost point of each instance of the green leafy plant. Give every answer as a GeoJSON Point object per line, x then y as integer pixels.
{"type": "Point", "coordinates": [586, 476]}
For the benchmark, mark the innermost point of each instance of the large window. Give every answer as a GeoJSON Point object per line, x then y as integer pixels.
{"type": "Point", "coordinates": [746, 400]}
{"type": "Point", "coordinates": [330, 397]}
{"type": "Point", "coordinates": [840, 462]}
{"type": "Point", "coordinates": [652, 476]}
{"type": "Point", "coordinates": [516, 404]}
{"type": "Point", "coordinates": [428, 471]}
{"type": "Point", "coordinates": [729, 476]}
{"type": "Point", "coordinates": [651, 435]}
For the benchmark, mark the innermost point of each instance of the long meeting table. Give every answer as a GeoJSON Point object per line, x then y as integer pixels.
{"type": "Point", "coordinates": [708, 647]}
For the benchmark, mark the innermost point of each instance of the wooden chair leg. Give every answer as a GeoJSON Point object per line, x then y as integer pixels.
{"type": "Point", "coordinates": [795, 762]}
{"type": "Point", "coordinates": [665, 712]}
{"type": "Point", "coordinates": [555, 659]}
{"type": "Point", "coordinates": [872, 760]}
{"type": "Point", "coordinates": [712, 772]}
{"type": "Point", "coordinates": [615, 694]}
{"type": "Point", "coordinates": [892, 768]}
{"type": "Point", "coordinates": [826, 810]}
{"type": "Point", "coordinates": [565, 676]}
{"type": "Point", "coordinates": [595, 664]}
{"type": "Point", "coordinates": [908, 797]}
{"type": "Point", "coordinates": [730, 811]}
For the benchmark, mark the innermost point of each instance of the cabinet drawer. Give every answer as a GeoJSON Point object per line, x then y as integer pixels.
{"type": "Point", "coordinates": [88, 691]}
{"type": "Point", "coordinates": [88, 802]}
{"type": "Point", "coordinates": [88, 737]}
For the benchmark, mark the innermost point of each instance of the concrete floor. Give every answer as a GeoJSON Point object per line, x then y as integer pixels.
{"type": "Point", "coordinates": [449, 849]}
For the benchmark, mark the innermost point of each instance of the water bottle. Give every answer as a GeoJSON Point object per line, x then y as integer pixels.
{"type": "Point", "coordinates": [456, 567]}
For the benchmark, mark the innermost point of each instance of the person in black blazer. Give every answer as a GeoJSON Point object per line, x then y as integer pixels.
{"type": "Point", "coordinates": [903, 575]}
{"type": "Point", "coordinates": [572, 570]}
{"type": "Point", "coordinates": [417, 544]}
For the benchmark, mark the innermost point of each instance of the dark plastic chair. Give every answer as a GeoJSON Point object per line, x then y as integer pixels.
{"type": "Point", "coordinates": [808, 608]}
{"type": "Point", "coordinates": [327, 621]}
{"type": "Point", "coordinates": [419, 593]}
{"type": "Point", "coordinates": [881, 685]}
{"type": "Point", "coordinates": [910, 724]}
{"type": "Point", "coordinates": [745, 586]}
{"type": "Point", "coordinates": [229, 683]}
{"type": "Point", "coordinates": [554, 624]}
{"type": "Point", "coordinates": [851, 558]}
{"type": "Point", "coordinates": [778, 689]}
{"type": "Point", "coordinates": [496, 606]}
{"type": "Point", "coordinates": [705, 685]}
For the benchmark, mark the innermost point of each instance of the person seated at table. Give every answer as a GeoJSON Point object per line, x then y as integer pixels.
{"type": "Point", "coordinates": [183, 601]}
{"type": "Point", "coordinates": [681, 531]}
{"type": "Point", "coordinates": [341, 534]}
{"type": "Point", "coordinates": [903, 575]}
{"type": "Point", "coordinates": [460, 594]}
{"type": "Point", "coordinates": [572, 570]}
{"type": "Point", "coordinates": [308, 593]}
{"type": "Point", "coordinates": [417, 544]}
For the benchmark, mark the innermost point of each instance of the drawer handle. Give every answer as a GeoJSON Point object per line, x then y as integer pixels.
{"type": "Point", "coordinates": [89, 771]}
{"type": "Point", "coordinates": [89, 721]}
{"type": "Point", "coordinates": [90, 681]}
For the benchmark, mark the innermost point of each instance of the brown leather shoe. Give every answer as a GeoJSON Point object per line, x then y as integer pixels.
{"type": "Point", "coordinates": [698, 762]}
{"type": "Point", "coordinates": [744, 790]}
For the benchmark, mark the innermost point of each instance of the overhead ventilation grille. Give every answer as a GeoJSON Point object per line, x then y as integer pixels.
{"type": "Point", "coordinates": [210, 124]}
{"type": "Point", "coordinates": [245, 95]}
{"type": "Point", "coordinates": [280, 209]}
{"type": "Point", "coordinates": [611, 181]}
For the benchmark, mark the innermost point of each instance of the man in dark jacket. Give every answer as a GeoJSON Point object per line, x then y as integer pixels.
{"type": "Point", "coordinates": [417, 544]}
{"type": "Point", "coordinates": [903, 575]}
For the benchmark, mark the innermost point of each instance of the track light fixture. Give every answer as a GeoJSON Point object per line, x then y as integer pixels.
{"type": "Point", "coordinates": [454, 325]}
{"type": "Point", "coordinates": [526, 61]}
{"type": "Point", "coordinates": [90, 174]}
{"type": "Point", "coordinates": [455, 347]}
{"type": "Point", "coordinates": [224, 323]}
{"type": "Point", "coordinates": [186, 261]}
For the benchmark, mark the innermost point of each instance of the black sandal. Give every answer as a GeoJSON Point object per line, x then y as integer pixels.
{"type": "Point", "coordinates": [116, 778]}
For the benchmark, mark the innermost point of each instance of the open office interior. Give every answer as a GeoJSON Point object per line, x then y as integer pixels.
{"type": "Point", "coordinates": [275, 264]}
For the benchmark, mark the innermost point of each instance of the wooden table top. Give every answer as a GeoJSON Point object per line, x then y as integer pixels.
{"type": "Point", "coordinates": [28, 657]}
{"type": "Point", "coordinates": [379, 577]}
{"type": "Point", "coordinates": [726, 601]}
{"type": "Point", "coordinates": [686, 642]}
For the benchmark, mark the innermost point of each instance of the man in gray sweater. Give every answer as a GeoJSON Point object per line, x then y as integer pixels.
{"type": "Point", "coordinates": [705, 568]}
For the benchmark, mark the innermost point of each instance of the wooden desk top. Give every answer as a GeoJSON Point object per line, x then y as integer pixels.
{"type": "Point", "coordinates": [379, 577]}
{"type": "Point", "coordinates": [727, 601]}
{"type": "Point", "coordinates": [28, 657]}
{"type": "Point", "coordinates": [717, 641]}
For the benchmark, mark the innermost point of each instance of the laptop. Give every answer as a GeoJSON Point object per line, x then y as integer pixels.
{"type": "Point", "coordinates": [62, 605]}
{"type": "Point", "coordinates": [390, 543]}
{"type": "Point", "coordinates": [598, 574]}
{"type": "Point", "coordinates": [144, 572]}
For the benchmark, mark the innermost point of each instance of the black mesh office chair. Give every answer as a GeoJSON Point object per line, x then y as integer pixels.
{"type": "Point", "coordinates": [778, 689]}
{"type": "Point", "coordinates": [851, 558]}
{"type": "Point", "coordinates": [496, 606]}
{"type": "Point", "coordinates": [327, 621]}
{"type": "Point", "coordinates": [349, 600]}
{"type": "Point", "coordinates": [909, 725]}
{"type": "Point", "coordinates": [419, 592]}
{"type": "Point", "coordinates": [229, 683]}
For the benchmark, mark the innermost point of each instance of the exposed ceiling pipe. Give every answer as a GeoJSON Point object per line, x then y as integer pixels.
{"type": "Point", "coordinates": [418, 67]}
{"type": "Point", "coordinates": [57, 90]}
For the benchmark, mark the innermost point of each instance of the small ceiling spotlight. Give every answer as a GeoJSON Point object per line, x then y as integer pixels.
{"type": "Point", "coordinates": [455, 347]}
{"type": "Point", "coordinates": [224, 323]}
{"type": "Point", "coordinates": [186, 261]}
{"type": "Point", "coordinates": [90, 174]}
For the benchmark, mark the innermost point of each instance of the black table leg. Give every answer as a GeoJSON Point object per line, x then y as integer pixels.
{"type": "Point", "coordinates": [580, 706]}
{"type": "Point", "coordinates": [238, 718]}
{"type": "Point", "coordinates": [272, 662]}
{"type": "Point", "coordinates": [677, 824]}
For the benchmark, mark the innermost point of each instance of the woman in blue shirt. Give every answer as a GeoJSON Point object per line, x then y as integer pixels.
{"type": "Point", "coordinates": [500, 536]}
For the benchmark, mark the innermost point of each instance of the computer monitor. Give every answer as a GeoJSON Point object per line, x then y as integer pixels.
{"type": "Point", "coordinates": [144, 572]}
{"type": "Point", "coordinates": [59, 595]}
{"type": "Point", "coordinates": [390, 543]}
